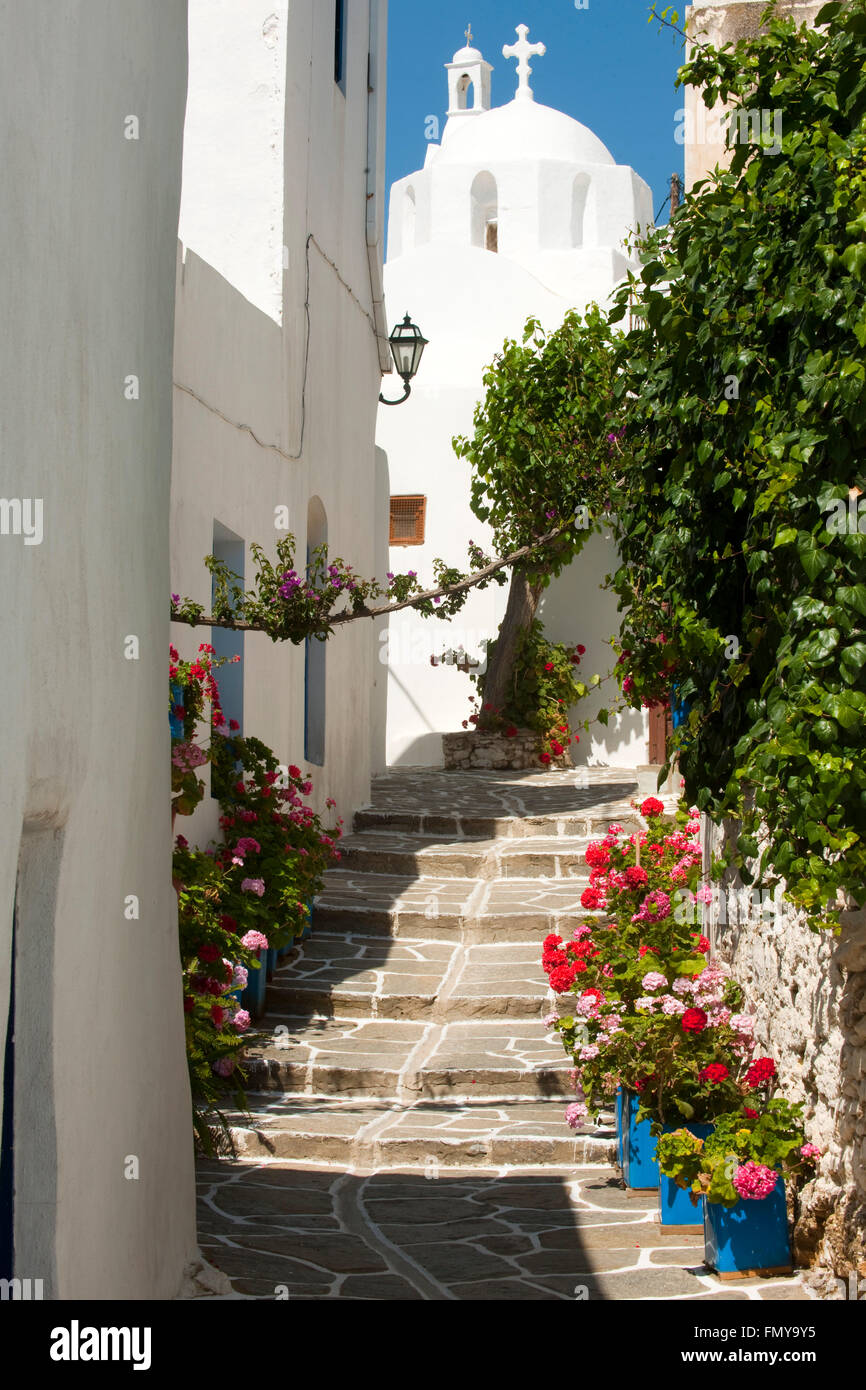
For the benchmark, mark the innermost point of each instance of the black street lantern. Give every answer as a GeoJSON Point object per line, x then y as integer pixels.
{"type": "Point", "coordinates": [407, 348]}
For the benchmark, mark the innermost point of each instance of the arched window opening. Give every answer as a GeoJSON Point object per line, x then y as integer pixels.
{"type": "Point", "coordinates": [464, 86]}
{"type": "Point", "coordinates": [485, 212]}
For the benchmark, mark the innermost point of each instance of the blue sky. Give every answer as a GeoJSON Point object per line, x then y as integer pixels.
{"type": "Point", "coordinates": [605, 65]}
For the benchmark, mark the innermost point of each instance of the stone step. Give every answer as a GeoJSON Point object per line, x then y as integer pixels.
{"type": "Point", "coordinates": [400, 1060]}
{"type": "Point", "coordinates": [426, 1135]}
{"type": "Point", "coordinates": [458, 909]}
{"type": "Point", "coordinates": [351, 976]}
{"type": "Point", "coordinates": [421, 856]}
{"type": "Point", "coordinates": [462, 826]}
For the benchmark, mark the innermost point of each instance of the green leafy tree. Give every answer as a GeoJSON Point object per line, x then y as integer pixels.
{"type": "Point", "coordinates": [743, 576]}
{"type": "Point", "coordinates": [543, 454]}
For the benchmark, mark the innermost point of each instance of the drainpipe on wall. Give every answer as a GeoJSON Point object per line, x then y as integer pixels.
{"type": "Point", "coordinates": [377, 68]}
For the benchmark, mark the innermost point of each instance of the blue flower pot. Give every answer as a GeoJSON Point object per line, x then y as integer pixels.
{"type": "Point", "coordinates": [253, 997]}
{"type": "Point", "coordinates": [308, 929]}
{"type": "Point", "coordinates": [675, 1204]}
{"type": "Point", "coordinates": [639, 1167]}
{"type": "Point", "coordinates": [620, 1125]}
{"type": "Point", "coordinates": [749, 1238]}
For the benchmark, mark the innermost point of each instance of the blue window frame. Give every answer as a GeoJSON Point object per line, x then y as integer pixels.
{"type": "Point", "coordinates": [340, 43]}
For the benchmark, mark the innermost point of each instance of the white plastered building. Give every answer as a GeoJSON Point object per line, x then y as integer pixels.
{"type": "Point", "coordinates": [520, 211]}
{"type": "Point", "coordinates": [280, 346]}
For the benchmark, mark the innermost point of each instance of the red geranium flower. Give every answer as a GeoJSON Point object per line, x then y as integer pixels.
{"type": "Point", "coordinates": [762, 1070]}
{"type": "Point", "coordinates": [548, 665]}
{"type": "Point", "coordinates": [561, 978]}
{"type": "Point", "coordinates": [652, 807]}
{"type": "Point", "coordinates": [551, 960]}
{"type": "Point", "coordinates": [580, 649]}
{"type": "Point", "coordinates": [642, 950]}
{"type": "Point", "coordinates": [596, 856]}
{"type": "Point", "coordinates": [703, 944]}
{"type": "Point", "coordinates": [636, 876]}
{"type": "Point", "coordinates": [590, 898]}
{"type": "Point", "coordinates": [694, 1021]}
{"type": "Point", "coordinates": [752, 1114]}
{"type": "Point", "coordinates": [544, 757]}
{"type": "Point", "coordinates": [715, 1073]}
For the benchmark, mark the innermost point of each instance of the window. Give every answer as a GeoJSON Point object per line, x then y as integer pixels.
{"type": "Point", "coordinates": [340, 43]}
{"type": "Point", "coordinates": [228, 644]}
{"type": "Point", "coordinates": [491, 235]}
{"type": "Point", "coordinates": [407, 520]}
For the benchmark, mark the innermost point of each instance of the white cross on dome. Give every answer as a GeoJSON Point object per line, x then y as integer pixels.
{"type": "Point", "coordinates": [523, 51]}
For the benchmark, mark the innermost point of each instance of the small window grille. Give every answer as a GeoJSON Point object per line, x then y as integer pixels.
{"type": "Point", "coordinates": [407, 520]}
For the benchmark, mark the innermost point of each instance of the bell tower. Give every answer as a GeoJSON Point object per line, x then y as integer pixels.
{"type": "Point", "coordinates": [468, 81]}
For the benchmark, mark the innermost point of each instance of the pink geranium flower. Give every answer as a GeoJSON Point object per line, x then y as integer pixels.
{"type": "Point", "coordinates": [255, 941]}
{"type": "Point", "coordinates": [754, 1180]}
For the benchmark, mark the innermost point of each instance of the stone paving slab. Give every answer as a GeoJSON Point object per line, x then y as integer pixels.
{"type": "Point", "coordinates": [420, 856]}
{"type": "Point", "coordinates": [429, 791]}
{"type": "Point", "coordinates": [337, 975]}
{"type": "Point", "coordinates": [431, 1134]}
{"type": "Point", "coordinates": [502, 981]}
{"type": "Point", "coordinates": [450, 909]}
{"type": "Point", "coordinates": [506, 1057]}
{"type": "Point", "coordinates": [351, 976]}
{"type": "Point", "coordinates": [395, 1059]}
{"type": "Point", "coordinates": [475, 1235]}
{"type": "Point", "coordinates": [569, 826]}
{"type": "Point", "coordinates": [354, 1056]}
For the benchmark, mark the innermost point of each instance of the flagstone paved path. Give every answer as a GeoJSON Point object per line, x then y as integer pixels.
{"type": "Point", "coordinates": [407, 1138]}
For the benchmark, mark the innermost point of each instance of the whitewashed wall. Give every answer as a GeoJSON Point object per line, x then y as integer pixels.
{"type": "Point", "coordinates": [90, 226]}
{"type": "Point", "coordinates": [250, 435]}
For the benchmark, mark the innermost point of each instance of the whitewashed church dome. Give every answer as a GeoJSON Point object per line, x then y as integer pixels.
{"type": "Point", "coordinates": [467, 55]}
{"type": "Point", "coordinates": [522, 130]}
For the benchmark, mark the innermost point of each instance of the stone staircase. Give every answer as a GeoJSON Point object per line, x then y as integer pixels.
{"type": "Point", "coordinates": [406, 1032]}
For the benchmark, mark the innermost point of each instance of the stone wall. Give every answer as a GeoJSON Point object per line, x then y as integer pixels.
{"type": "Point", "coordinates": [488, 751]}
{"type": "Point", "coordinates": [720, 24]}
{"type": "Point", "coordinates": [808, 991]}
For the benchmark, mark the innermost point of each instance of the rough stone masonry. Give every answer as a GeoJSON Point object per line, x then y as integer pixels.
{"type": "Point", "coordinates": [808, 991]}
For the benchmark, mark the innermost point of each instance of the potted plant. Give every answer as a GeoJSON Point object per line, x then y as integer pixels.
{"type": "Point", "coordinates": [644, 989]}
{"type": "Point", "coordinates": [738, 1172]}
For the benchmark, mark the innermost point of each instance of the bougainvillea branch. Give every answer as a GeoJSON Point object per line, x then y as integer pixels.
{"type": "Point", "coordinates": [290, 607]}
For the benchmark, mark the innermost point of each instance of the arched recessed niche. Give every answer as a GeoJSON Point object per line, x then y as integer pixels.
{"type": "Point", "coordinates": [409, 219]}
{"type": "Point", "coordinates": [485, 212]}
{"type": "Point", "coordinates": [579, 194]}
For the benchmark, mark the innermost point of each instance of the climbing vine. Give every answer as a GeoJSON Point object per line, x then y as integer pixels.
{"type": "Point", "coordinates": [742, 531]}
